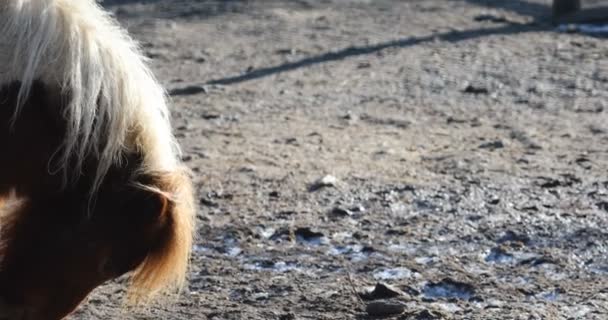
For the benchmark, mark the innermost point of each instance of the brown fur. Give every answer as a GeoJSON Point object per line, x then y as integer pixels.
{"type": "Point", "coordinates": [137, 221]}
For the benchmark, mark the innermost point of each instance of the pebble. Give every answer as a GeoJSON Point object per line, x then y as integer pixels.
{"type": "Point", "coordinates": [326, 181]}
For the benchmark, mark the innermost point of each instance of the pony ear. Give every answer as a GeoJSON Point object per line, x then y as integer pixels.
{"type": "Point", "coordinates": [166, 264]}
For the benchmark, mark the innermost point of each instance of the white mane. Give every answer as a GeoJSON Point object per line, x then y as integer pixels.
{"type": "Point", "coordinates": [115, 103]}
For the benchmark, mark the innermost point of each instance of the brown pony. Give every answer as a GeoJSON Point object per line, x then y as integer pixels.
{"type": "Point", "coordinates": [91, 183]}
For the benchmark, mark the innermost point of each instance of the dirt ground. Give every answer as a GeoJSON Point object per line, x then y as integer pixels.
{"type": "Point", "coordinates": [463, 146]}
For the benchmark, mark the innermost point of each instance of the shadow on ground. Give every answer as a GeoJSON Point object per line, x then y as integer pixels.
{"type": "Point", "coordinates": [452, 36]}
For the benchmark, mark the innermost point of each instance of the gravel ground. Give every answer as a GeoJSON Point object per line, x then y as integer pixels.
{"type": "Point", "coordinates": [451, 154]}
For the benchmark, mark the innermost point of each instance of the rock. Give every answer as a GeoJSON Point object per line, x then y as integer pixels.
{"type": "Point", "coordinates": [357, 208]}
{"type": "Point", "coordinates": [364, 65]}
{"type": "Point", "coordinates": [566, 181]}
{"type": "Point", "coordinates": [326, 181]}
{"type": "Point", "coordinates": [511, 237]}
{"type": "Point", "coordinates": [492, 145]}
{"type": "Point", "coordinates": [384, 308]}
{"type": "Point", "coordinates": [308, 236]}
{"type": "Point", "coordinates": [188, 90]}
{"type": "Point", "coordinates": [537, 261]}
{"type": "Point", "coordinates": [260, 296]}
{"type": "Point", "coordinates": [247, 169]}
{"type": "Point", "coordinates": [494, 201]}
{"type": "Point", "coordinates": [281, 235]}
{"type": "Point", "coordinates": [394, 122]}
{"type": "Point", "coordinates": [602, 205]}
{"type": "Point", "coordinates": [210, 115]}
{"type": "Point", "coordinates": [546, 182]}
{"type": "Point", "coordinates": [584, 162]}
{"type": "Point", "coordinates": [156, 54]}
{"type": "Point", "coordinates": [596, 108]}
{"type": "Point", "coordinates": [381, 291]}
{"type": "Point", "coordinates": [289, 51]}
{"type": "Point", "coordinates": [340, 212]}
{"type": "Point", "coordinates": [287, 316]}
{"type": "Point", "coordinates": [292, 141]}
{"type": "Point", "coordinates": [209, 203]}
{"type": "Point", "coordinates": [594, 129]}
{"type": "Point", "coordinates": [451, 120]}
{"type": "Point", "coordinates": [471, 89]}
{"type": "Point", "coordinates": [490, 18]}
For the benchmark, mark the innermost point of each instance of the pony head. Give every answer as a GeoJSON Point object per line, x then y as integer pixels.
{"type": "Point", "coordinates": [88, 149]}
{"type": "Point", "coordinates": [54, 255]}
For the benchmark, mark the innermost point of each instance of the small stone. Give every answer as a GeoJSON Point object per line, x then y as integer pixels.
{"type": "Point", "coordinates": [494, 201]}
{"type": "Point", "coordinates": [490, 18]}
{"type": "Point", "coordinates": [341, 212]}
{"type": "Point", "coordinates": [602, 205]}
{"type": "Point", "coordinates": [260, 296]}
{"type": "Point", "coordinates": [492, 145]}
{"type": "Point", "coordinates": [307, 235]}
{"type": "Point", "coordinates": [364, 65]}
{"type": "Point", "coordinates": [210, 115]}
{"type": "Point", "coordinates": [475, 90]}
{"type": "Point", "coordinates": [287, 316]}
{"type": "Point", "coordinates": [209, 203]}
{"type": "Point", "coordinates": [188, 90]}
{"type": "Point", "coordinates": [381, 291]}
{"type": "Point", "coordinates": [584, 162]}
{"type": "Point", "coordinates": [326, 181]}
{"type": "Point", "coordinates": [247, 169]}
{"type": "Point", "coordinates": [292, 141]}
{"type": "Point", "coordinates": [357, 208]}
{"type": "Point", "coordinates": [288, 51]}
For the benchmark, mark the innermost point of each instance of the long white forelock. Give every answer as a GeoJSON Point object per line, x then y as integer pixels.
{"type": "Point", "coordinates": [115, 102]}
